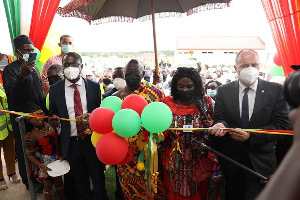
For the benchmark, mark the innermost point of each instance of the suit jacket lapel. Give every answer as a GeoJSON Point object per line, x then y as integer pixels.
{"type": "Point", "coordinates": [89, 96]}
{"type": "Point", "coordinates": [62, 96]}
{"type": "Point", "coordinates": [236, 104]}
{"type": "Point", "coordinates": [259, 101]}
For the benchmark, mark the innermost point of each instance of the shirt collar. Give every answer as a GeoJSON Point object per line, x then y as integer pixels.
{"type": "Point", "coordinates": [252, 87]}
{"type": "Point", "coordinates": [69, 84]}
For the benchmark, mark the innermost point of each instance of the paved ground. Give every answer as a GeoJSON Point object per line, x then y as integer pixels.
{"type": "Point", "coordinates": [16, 191]}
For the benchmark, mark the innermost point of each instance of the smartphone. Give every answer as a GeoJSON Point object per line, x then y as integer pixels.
{"type": "Point", "coordinates": [32, 57]}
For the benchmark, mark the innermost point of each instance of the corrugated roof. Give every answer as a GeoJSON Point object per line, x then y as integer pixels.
{"type": "Point", "coordinates": [220, 43]}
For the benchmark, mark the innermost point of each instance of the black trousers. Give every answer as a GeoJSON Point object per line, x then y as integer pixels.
{"type": "Point", "coordinates": [19, 149]}
{"type": "Point", "coordinates": [85, 164]}
{"type": "Point", "coordinates": [242, 186]}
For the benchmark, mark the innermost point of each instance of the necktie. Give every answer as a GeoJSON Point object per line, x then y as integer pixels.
{"type": "Point", "coordinates": [245, 109]}
{"type": "Point", "coordinates": [78, 112]}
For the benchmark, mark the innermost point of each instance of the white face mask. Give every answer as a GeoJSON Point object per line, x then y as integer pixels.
{"type": "Point", "coordinates": [249, 75]}
{"type": "Point", "coordinates": [119, 83]}
{"type": "Point", "coordinates": [66, 48]}
{"type": "Point", "coordinates": [71, 73]}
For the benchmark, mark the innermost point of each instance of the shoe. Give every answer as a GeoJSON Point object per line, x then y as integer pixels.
{"type": "Point", "coordinates": [3, 185]}
{"type": "Point", "coordinates": [15, 178]}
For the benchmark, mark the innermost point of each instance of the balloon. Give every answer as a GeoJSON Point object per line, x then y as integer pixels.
{"type": "Point", "coordinates": [111, 149]}
{"type": "Point", "coordinates": [129, 156]}
{"type": "Point", "coordinates": [276, 71]}
{"type": "Point", "coordinates": [95, 137]}
{"type": "Point", "coordinates": [101, 120]}
{"type": "Point", "coordinates": [38, 55]}
{"type": "Point", "coordinates": [113, 103]}
{"type": "Point", "coordinates": [156, 117]}
{"type": "Point", "coordinates": [277, 60]}
{"type": "Point", "coordinates": [126, 123]}
{"type": "Point", "coordinates": [134, 102]}
{"type": "Point", "coordinates": [46, 53]}
{"type": "Point", "coordinates": [39, 65]}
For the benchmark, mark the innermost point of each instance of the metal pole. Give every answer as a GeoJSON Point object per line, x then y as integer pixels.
{"type": "Point", "coordinates": [232, 161]}
{"type": "Point", "coordinates": [21, 122]}
{"type": "Point", "coordinates": [156, 73]}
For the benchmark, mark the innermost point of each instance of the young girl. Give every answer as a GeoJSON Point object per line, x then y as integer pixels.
{"type": "Point", "coordinates": [42, 148]}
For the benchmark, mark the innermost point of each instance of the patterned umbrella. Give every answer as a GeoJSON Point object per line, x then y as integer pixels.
{"type": "Point", "coordinates": [102, 11]}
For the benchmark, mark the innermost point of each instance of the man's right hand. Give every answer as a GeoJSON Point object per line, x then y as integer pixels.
{"type": "Point", "coordinates": [26, 69]}
{"type": "Point", "coordinates": [216, 130]}
{"type": "Point", "coordinates": [54, 122]}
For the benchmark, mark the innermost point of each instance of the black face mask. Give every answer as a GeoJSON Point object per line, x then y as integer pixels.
{"type": "Point", "coordinates": [54, 79]}
{"type": "Point", "coordinates": [132, 79]}
{"type": "Point", "coordinates": [186, 96]}
{"type": "Point", "coordinates": [106, 81]}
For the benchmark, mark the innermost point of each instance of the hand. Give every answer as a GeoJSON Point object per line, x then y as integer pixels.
{"type": "Point", "coordinates": [209, 122]}
{"type": "Point", "coordinates": [45, 168]}
{"type": "Point", "coordinates": [239, 135]}
{"type": "Point", "coordinates": [82, 118]}
{"type": "Point", "coordinates": [217, 131]}
{"type": "Point", "coordinates": [26, 69]}
{"type": "Point", "coordinates": [54, 122]}
{"type": "Point", "coordinates": [265, 182]}
{"type": "Point", "coordinates": [60, 158]}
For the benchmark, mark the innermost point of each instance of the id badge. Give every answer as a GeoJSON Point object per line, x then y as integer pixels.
{"type": "Point", "coordinates": [188, 126]}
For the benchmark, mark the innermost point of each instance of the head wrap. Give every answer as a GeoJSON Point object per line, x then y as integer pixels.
{"type": "Point", "coordinates": [21, 40]}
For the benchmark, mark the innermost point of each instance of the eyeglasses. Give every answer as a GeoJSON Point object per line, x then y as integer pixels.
{"type": "Point", "coordinates": [211, 87]}
{"type": "Point", "coordinates": [71, 65]}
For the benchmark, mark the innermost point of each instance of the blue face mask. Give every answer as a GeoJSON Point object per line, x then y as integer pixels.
{"type": "Point", "coordinates": [211, 93]}
{"type": "Point", "coordinates": [66, 48]}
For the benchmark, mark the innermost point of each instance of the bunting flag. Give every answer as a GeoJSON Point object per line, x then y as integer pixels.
{"type": "Point", "coordinates": [284, 20]}
{"type": "Point", "coordinates": [30, 17]}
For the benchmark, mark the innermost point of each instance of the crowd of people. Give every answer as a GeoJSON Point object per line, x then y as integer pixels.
{"type": "Point", "coordinates": [187, 171]}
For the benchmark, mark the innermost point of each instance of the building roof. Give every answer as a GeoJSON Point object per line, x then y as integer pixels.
{"type": "Point", "coordinates": [220, 43]}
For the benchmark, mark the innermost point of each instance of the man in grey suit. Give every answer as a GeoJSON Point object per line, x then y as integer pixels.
{"type": "Point", "coordinates": [248, 103]}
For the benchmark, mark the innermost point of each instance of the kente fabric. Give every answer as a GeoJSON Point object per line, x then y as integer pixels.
{"type": "Point", "coordinates": [131, 179]}
{"type": "Point", "coordinates": [46, 150]}
{"type": "Point", "coordinates": [179, 182]}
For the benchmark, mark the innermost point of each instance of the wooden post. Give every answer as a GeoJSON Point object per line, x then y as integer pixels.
{"type": "Point", "coordinates": [156, 72]}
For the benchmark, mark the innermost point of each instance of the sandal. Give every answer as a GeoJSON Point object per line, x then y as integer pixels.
{"type": "Point", "coordinates": [3, 185]}
{"type": "Point", "coordinates": [15, 178]}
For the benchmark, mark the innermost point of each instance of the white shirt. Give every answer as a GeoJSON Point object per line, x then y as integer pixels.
{"type": "Point", "coordinates": [251, 97]}
{"type": "Point", "coordinates": [69, 93]}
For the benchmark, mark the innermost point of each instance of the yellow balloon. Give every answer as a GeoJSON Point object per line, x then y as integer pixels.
{"type": "Point", "coordinates": [95, 137]}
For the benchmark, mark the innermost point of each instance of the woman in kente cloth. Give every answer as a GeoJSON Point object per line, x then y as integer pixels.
{"type": "Point", "coordinates": [187, 167]}
{"type": "Point", "coordinates": [131, 175]}
{"type": "Point", "coordinates": [42, 148]}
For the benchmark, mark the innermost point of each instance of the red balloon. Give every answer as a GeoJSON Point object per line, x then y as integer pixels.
{"type": "Point", "coordinates": [277, 60]}
{"type": "Point", "coordinates": [134, 102]}
{"type": "Point", "coordinates": [111, 149]}
{"type": "Point", "coordinates": [101, 120]}
{"type": "Point", "coordinates": [128, 157]}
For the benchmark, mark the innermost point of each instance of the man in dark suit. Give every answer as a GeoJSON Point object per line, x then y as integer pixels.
{"type": "Point", "coordinates": [249, 103]}
{"type": "Point", "coordinates": [75, 97]}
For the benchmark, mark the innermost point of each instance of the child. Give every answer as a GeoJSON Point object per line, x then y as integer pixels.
{"type": "Point", "coordinates": [42, 148]}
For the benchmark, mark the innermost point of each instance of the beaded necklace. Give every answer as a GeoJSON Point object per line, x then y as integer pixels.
{"type": "Point", "coordinates": [45, 132]}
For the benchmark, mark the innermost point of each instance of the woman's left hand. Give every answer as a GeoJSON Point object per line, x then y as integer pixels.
{"type": "Point", "coordinates": [209, 122]}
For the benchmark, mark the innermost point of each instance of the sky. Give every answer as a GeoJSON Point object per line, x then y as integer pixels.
{"type": "Point", "coordinates": [242, 18]}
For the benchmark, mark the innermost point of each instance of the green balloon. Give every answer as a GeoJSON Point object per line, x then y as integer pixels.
{"type": "Point", "coordinates": [276, 71]}
{"type": "Point", "coordinates": [39, 65]}
{"type": "Point", "coordinates": [38, 54]}
{"type": "Point", "coordinates": [113, 103]}
{"type": "Point", "coordinates": [156, 117]}
{"type": "Point", "coordinates": [126, 123]}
